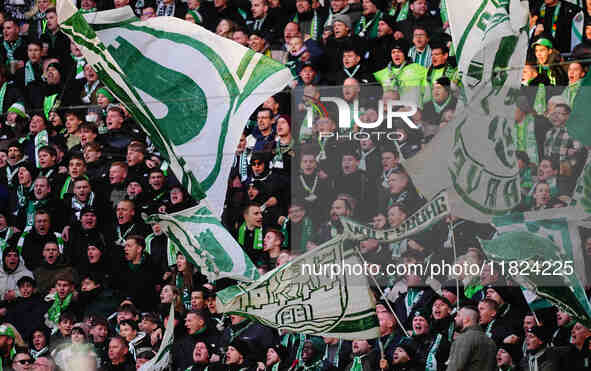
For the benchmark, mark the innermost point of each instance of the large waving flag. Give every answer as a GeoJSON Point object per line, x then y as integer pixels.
{"type": "Point", "coordinates": [479, 29]}
{"type": "Point", "coordinates": [202, 238]}
{"type": "Point", "coordinates": [473, 157]}
{"type": "Point", "coordinates": [163, 358]}
{"type": "Point", "coordinates": [192, 91]}
{"type": "Point", "coordinates": [542, 252]}
{"type": "Point", "coordinates": [298, 296]}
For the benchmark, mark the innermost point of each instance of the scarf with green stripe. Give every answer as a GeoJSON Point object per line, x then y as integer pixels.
{"type": "Point", "coordinates": [257, 243]}
{"type": "Point", "coordinates": [10, 49]}
{"type": "Point", "coordinates": [58, 307]}
{"type": "Point", "coordinates": [41, 140]}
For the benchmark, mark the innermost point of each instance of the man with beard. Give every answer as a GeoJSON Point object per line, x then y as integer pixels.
{"type": "Point", "coordinates": [372, 13]}
{"type": "Point", "coordinates": [433, 348]}
{"type": "Point", "coordinates": [539, 355]}
{"type": "Point", "coordinates": [7, 344]}
{"type": "Point", "coordinates": [331, 228]}
{"type": "Point", "coordinates": [310, 20]}
{"type": "Point", "coordinates": [94, 298]}
{"type": "Point", "coordinates": [276, 187]}
{"type": "Point", "coordinates": [157, 248]}
{"type": "Point", "coordinates": [472, 350]}
{"type": "Point", "coordinates": [419, 15]}
{"type": "Point", "coordinates": [443, 321]}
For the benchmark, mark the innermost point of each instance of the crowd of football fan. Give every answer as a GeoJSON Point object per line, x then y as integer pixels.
{"type": "Point", "coordinates": [85, 284]}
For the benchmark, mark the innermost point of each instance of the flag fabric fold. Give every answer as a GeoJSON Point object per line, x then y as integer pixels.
{"type": "Point", "coordinates": [206, 243]}
{"type": "Point", "coordinates": [308, 295]}
{"type": "Point", "coordinates": [473, 157]}
{"type": "Point", "coordinates": [163, 357]}
{"type": "Point", "coordinates": [542, 253]}
{"type": "Point", "coordinates": [192, 91]}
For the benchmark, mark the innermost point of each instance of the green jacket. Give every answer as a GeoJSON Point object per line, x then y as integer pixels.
{"type": "Point", "coordinates": [409, 79]}
{"type": "Point", "coordinates": [472, 351]}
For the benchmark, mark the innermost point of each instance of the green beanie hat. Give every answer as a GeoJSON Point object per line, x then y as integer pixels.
{"type": "Point", "coordinates": [19, 109]}
{"type": "Point", "coordinates": [106, 93]}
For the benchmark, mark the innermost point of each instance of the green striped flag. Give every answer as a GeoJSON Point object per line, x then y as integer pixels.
{"type": "Point", "coordinates": [202, 238]}
{"type": "Point", "coordinates": [192, 91]}
{"type": "Point", "coordinates": [479, 29]}
{"type": "Point", "coordinates": [543, 253]}
{"type": "Point", "coordinates": [300, 297]}
{"type": "Point", "coordinates": [163, 358]}
{"type": "Point", "coordinates": [473, 158]}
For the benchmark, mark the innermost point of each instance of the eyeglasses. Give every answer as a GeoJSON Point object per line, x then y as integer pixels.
{"type": "Point", "coordinates": [25, 361]}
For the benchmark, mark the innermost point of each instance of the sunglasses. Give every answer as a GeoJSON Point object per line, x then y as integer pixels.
{"type": "Point", "coordinates": [25, 361]}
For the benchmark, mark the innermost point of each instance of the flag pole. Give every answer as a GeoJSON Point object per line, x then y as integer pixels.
{"type": "Point", "coordinates": [453, 244]}
{"type": "Point", "coordinates": [382, 294]}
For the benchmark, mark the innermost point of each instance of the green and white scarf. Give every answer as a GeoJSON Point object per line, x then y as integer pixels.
{"type": "Point", "coordinates": [29, 73]}
{"type": "Point", "coordinates": [257, 243]}
{"type": "Point", "coordinates": [10, 49]}
{"type": "Point", "coordinates": [2, 94]}
{"type": "Point", "coordinates": [58, 307]}
{"type": "Point", "coordinates": [369, 27]}
{"type": "Point", "coordinates": [289, 339]}
{"type": "Point", "coordinates": [41, 139]}
{"type": "Point", "coordinates": [80, 63]}
{"type": "Point", "coordinates": [357, 366]}
{"type": "Point", "coordinates": [121, 236]}
{"type": "Point", "coordinates": [4, 241]}
{"type": "Point", "coordinates": [403, 14]}
{"type": "Point", "coordinates": [423, 58]}
{"type": "Point", "coordinates": [49, 103]}
{"type": "Point", "coordinates": [431, 359]}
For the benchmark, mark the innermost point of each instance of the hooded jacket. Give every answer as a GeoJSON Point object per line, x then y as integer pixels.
{"type": "Point", "coordinates": [8, 279]}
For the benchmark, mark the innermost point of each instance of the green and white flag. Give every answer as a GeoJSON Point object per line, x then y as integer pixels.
{"type": "Point", "coordinates": [423, 219]}
{"type": "Point", "coordinates": [487, 23]}
{"type": "Point", "coordinates": [191, 90]}
{"type": "Point", "coordinates": [542, 251]}
{"type": "Point", "coordinates": [202, 239]}
{"type": "Point", "coordinates": [473, 157]}
{"type": "Point", "coordinates": [578, 122]}
{"type": "Point", "coordinates": [163, 358]}
{"type": "Point", "coordinates": [312, 294]}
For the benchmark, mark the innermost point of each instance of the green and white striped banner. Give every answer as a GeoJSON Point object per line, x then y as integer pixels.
{"type": "Point", "coordinates": [202, 239]}
{"type": "Point", "coordinates": [473, 157]}
{"type": "Point", "coordinates": [541, 253]}
{"type": "Point", "coordinates": [478, 29]}
{"type": "Point", "coordinates": [191, 90]}
{"type": "Point", "coordinates": [163, 358]}
{"type": "Point", "coordinates": [301, 297]}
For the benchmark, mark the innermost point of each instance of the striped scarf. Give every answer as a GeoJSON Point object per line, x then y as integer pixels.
{"type": "Point", "coordinates": [10, 49]}
{"type": "Point", "coordinates": [423, 58]}
{"type": "Point", "coordinates": [29, 73]}
{"type": "Point", "coordinates": [257, 243]}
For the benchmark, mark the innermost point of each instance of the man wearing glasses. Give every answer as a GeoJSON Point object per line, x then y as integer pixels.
{"type": "Point", "coordinates": [22, 362]}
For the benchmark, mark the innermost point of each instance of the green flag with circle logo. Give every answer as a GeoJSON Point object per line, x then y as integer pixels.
{"type": "Point", "coordinates": [192, 91]}
{"type": "Point", "coordinates": [206, 243]}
